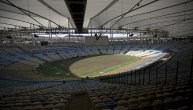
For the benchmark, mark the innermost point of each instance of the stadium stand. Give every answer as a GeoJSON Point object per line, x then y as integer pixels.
{"type": "Point", "coordinates": [143, 49]}
{"type": "Point", "coordinates": [131, 90]}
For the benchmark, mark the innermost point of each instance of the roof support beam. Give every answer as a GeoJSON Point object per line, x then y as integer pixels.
{"type": "Point", "coordinates": [19, 20]}
{"type": "Point", "coordinates": [178, 22]}
{"type": "Point", "coordinates": [160, 16]}
{"type": "Point", "coordinates": [12, 24]}
{"type": "Point", "coordinates": [10, 3]}
{"type": "Point", "coordinates": [106, 8]}
{"type": "Point", "coordinates": [24, 10]}
{"type": "Point", "coordinates": [54, 10]}
{"type": "Point", "coordinates": [128, 12]}
{"type": "Point", "coordinates": [77, 10]}
{"type": "Point", "coordinates": [163, 9]}
{"type": "Point", "coordinates": [164, 21]}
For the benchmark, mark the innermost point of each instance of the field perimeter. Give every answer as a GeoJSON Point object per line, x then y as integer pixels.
{"type": "Point", "coordinates": [91, 66]}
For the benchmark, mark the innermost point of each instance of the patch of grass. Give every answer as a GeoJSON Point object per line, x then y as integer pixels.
{"type": "Point", "coordinates": [107, 69]}
{"type": "Point", "coordinates": [52, 70]}
{"type": "Point", "coordinates": [81, 67]}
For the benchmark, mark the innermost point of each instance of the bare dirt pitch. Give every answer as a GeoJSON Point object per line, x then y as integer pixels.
{"type": "Point", "coordinates": [90, 66]}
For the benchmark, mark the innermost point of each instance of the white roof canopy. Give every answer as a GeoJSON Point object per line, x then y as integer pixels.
{"type": "Point", "coordinates": [174, 16]}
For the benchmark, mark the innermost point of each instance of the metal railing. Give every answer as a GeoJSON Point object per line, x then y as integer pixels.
{"type": "Point", "coordinates": [178, 69]}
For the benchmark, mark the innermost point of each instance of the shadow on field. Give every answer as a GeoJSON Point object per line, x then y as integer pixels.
{"type": "Point", "coordinates": [61, 69]}
{"type": "Point", "coordinates": [65, 64]}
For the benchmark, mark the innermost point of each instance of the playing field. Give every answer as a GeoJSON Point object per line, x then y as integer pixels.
{"type": "Point", "coordinates": [90, 66]}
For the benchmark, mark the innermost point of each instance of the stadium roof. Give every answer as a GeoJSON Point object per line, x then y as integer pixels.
{"type": "Point", "coordinates": [175, 16]}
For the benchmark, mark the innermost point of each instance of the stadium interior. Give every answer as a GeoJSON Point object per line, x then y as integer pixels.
{"type": "Point", "coordinates": [96, 54]}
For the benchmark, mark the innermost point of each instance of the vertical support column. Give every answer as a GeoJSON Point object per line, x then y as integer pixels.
{"type": "Point", "coordinates": [131, 77]}
{"type": "Point", "coordinates": [166, 71]}
{"type": "Point", "coordinates": [127, 78]}
{"type": "Point", "coordinates": [119, 78]}
{"type": "Point", "coordinates": [140, 36]}
{"type": "Point", "coordinates": [16, 34]}
{"type": "Point", "coordinates": [143, 76]}
{"type": "Point", "coordinates": [111, 34]}
{"type": "Point", "coordinates": [113, 80]}
{"type": "Point", "coordinates": [4, 33]}
{"type": "Point", "coordinates": [116, 78]}
{"type": "Point", "coordinates": [149, 76]}
{"type": "Point", "coordinates": [110, 77]}
{"type": "Point", "coordinates": [135, 76]}
{"type": "Point", "coordinates": [91, 26]}
{"type": "Point", "coordinates": [32, 37]}
{"type": "Point", "coordinates": [177, 65]}
{"type": "Point", "coordinates": [191, 70]}
{"type": "Point", "coordinates": [69, 29]}
{"type": "Point", "coordinates": [127, 36]}
{"type": "Point", "coordinates": [110, 37]}
{"type": "Point", "coordinates": [51, 36]}
{"type": "Point", "coordinates": [20, 35]}
{"type": "Point", "coordinates": [139, 77]}
{"type": "Point", "coordinates": [156, 77]}
{"type": "Point", "coordinates": [50, 30]}
{"type": "Point", "coordinates": [123, 78]}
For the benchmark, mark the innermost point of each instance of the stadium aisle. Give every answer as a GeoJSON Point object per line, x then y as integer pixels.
{"type": "Point", "coordinates": [76, 105]}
